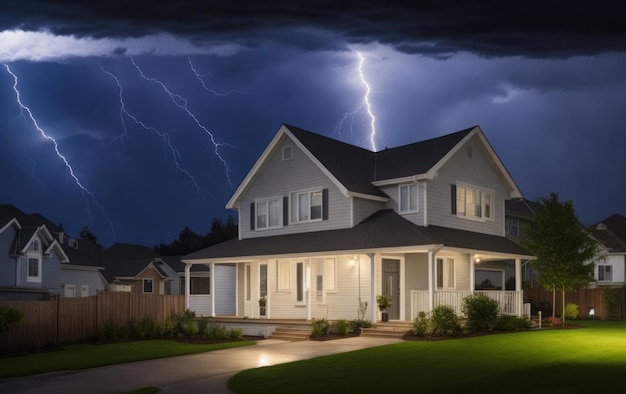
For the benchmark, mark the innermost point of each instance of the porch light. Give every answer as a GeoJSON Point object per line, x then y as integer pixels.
{"type": "Point", "coordinates": [477, 259]}
{"type": "Point", "coordinates": [353, 261]}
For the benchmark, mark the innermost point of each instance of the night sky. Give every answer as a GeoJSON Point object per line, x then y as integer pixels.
{"type": "Point", "coordinates": [161, 108]}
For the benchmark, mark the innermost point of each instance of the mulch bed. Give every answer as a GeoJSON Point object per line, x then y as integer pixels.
{"type": "Point", "coordinates": [331, 336]}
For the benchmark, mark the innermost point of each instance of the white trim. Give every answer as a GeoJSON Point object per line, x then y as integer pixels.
{"type": "Point", "coordinates": [410, 197]}
{"type": "Point", "coordinates": [483, 193]}
{"type": "Point", "coordinates": [9, 223]}
{"type": "Point", "coordinates": [368, 196]}
{"type": "Point", "coordinates": [267, 201]}
{"type": "Point", "coordinates": [297, 194]}
{"type": "Point", "coordinates": [406, 179]}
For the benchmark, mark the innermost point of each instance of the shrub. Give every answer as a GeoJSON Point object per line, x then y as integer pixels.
{"type": "Point", "coordinates": [571, 311]}
{"type": "Point", "coordinates": [356, 325]}
{"type": "Point", "coordinates": [341, 327]}
{"type": "Point", "coordinates": [611, 300]}
{"type": "Point", "coordinates": [444, 321]}
{"type": "Point", "coordinates": [512, 323]}
{"type": "Point", "coordinates": [191, 328]}
{"type": "Point", "coordinates": [421, 324]}
{"type": "Point", "coordinates": [481, 312]}
{"type": "Point", "coordinates": [235, 334]}
{"type": "Point", "coordinates": [551, 322]}
{"type": "Point", "coordinates": [9, 316]}
{"type": "Point", "coordinates": [320, 328]}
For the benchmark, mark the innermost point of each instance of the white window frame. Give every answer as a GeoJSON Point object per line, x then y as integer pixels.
{"type": "Point", "coordinates": [467, 210]}
{"type": "Point", "coordinates": [29, 260]}
{"type": "Point", "coordinates": [84, 291]}
{"type": "Point", "coordinates": [287, 152]}
{"type": "Point", "coordinates": [325, 278]}
{"type": "Point", "coordinates": [67, 288]}
{"type": "Point", "coordinates": [413, 198]}
{"type": "Point", "coordinates": [283, 271]}
{"type": "Point", "coordinates": [602, 264]}
{"type": "Point", "coordinates": [295, 200]}
{"type": "Point", "coordinates": [262, 209]}
{"type": "Point", "coordinates": [34, 246]}
{"type": "Point", "coordinates": [447, 273]}
{"type": "Point", "coordinates": [143, 285]}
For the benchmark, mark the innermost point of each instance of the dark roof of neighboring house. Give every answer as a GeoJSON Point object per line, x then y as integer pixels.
{"type": "Point", "coordinates": [129, 252]}
{"type": "Point", "coordinates": [127, 260]}
{"type": "Point", "coordinates": [10, 211]}
{"type": "Point", "coordinates": [356, 168]}
{"type": "Point", "coordinates": [522, 208]}
{"type": "Point", "coordinates": [176, 263]}
{"type": "Point", "coordinates": [383, 229]}
{"type": "Point", "coordinates": [612, 232]}
{"type": "Point", "coordinates": [128, 268]}
{"type": "Point", "coordinates": [87, 253]}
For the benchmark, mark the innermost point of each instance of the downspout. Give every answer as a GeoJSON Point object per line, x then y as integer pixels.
{"type": "Point", "coordinates": [425, 205]}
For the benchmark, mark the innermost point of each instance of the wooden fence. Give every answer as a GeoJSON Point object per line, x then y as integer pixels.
{"type": "Point", "coordinates": [584, 298]}
{"type": "Point", "coordinates": [76, 319]}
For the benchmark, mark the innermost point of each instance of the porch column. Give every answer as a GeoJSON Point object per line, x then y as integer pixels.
{"type": "Point", "coordinates": [518, 286]}
{"type": "Point", "coordinates": [187, 283]}
{"type": "Point", "coordinates": [374, 275]}
{"type": "Point", "coordinates": [431, 280]}
{"type": "Point", "coordinates": [473, 273]}
{"type": "Point", "coordinates": [308, 289]}
{"type": "Point", "coordinates": [212, 282]}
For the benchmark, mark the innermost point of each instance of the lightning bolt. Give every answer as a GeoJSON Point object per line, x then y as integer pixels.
{"type": "Point", "coordinates": [165, 136]}
{"type": "Point", "coordinates": [199, 77]}
{"type": "Point", "coordinates": [181, 103]}
{"type": "Point", "coordinates": [85, 192]}
{"type": "Point", "coordinates": [365, 104]}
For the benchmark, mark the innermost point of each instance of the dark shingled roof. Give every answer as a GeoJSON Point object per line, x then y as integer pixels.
{"type": "Point", "coordinates": [612, 233]}
{"type": "Point", "coordinates": [87, 254]}
{"type": "Point", "coordinates": [383, 229]}
{"type": "Point", "coordinates": [356, 168]}
{"type": "Point", "coordinates": [522, 208]}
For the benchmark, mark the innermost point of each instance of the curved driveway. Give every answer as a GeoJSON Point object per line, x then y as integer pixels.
{"type": "Point", "coordinates": [198, 373]}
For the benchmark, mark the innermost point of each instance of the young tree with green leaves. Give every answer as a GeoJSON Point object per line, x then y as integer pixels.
{"type": "Point", "coordinates": [563, 248]}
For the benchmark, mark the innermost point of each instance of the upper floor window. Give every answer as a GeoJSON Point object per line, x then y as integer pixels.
{"type": "Point", "coordinates": [306, 206]}
{"type": "Point", "coordinates": [472, 202]}
{"type": "Point", "coordinates": [605, 271]}
{"type": "Point", "coordinates": [287, 152]}
{"type": "Point", "coordinates": [34, 245]}
{"type": "Point", "coordinates": [514, 226]}
{"type": "Point", "coordinates": [34, 270]}
{"type": "Point", "coordinates": [269, 213]}
{"type": "Point", "coordinates": [408, 198]}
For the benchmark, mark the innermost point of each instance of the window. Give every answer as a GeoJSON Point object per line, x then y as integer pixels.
{"type": "Point", "coordinates": [34, 270]}
{"type": "Point", "coordinates": [148, 285]}
{"type": "Point", "coordinates": [69, 291]}
{"type": "Point", "coordinates": [325, 278]}
{"type": "Point", "coordinates": [306, 206]}
{"type": "Point", "coordinates": [605, 273]}
{"type": "Point", "coordinates": [408, 198]}
{"type": "Point", "coordinates": [284, 275]}
{"type": "Point", "coordinates": [472, 202]}
{"type": "Point", "coordinates": [300, 283]}
{"type": "Point", "coordinates": [445, 273]}
{"type": "Point", "coordinates": [34, 245]}
{"type": "Point", "coordinates": [269, 213]}
{"type": "Point", "coordinates": [84, 291]}
{"type": "Point", "coordinates": [514, 226]}
{"type": "Point", "coordinates": [197, 285]}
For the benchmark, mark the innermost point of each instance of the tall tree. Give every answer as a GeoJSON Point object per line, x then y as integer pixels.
{"type": "Point", "coordinates": [85, 233]}
{"type": "Point", "coordinates": [189, 241]}
{"type": "Point", "coordinates": [563, 248]}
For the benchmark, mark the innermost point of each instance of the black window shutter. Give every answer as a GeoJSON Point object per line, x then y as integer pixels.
{"type": "Point", "coordinates": [252, 217]}
{"type": "Point", "coordinates": [324, 204]}
{"type": "Point", "coordinates": [453, 198]}
{"type": "Point", "coordinates": [285, 211]}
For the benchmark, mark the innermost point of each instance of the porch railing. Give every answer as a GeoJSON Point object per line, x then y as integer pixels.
{"type": "Point", "coordinates": [201, 304]}
{"type": "Point", "coordinates": [509, 302]}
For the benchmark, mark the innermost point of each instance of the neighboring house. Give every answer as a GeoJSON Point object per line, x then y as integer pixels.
{"type": "Point", "coordinates": [325, 227]}
{"type": "Point", "coordinates": [83, 276]}
{"type": "Point", "coordinates": [520, 213]}
{"type": "Point", "coordinates": [30, 256]}
{"type": "Point", "coordinates": [610, 269]}
{"type": "Point", "coordinates": [137, 269]}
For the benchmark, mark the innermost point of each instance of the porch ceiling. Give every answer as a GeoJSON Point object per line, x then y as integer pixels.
{"type": "Point", "coordinates": [385, 231]}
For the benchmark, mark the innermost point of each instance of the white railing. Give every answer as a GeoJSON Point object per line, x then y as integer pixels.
{"type": "Point", "coordinates": [201, 304]}
{"type": "Point", "coordinates": [509, 302]}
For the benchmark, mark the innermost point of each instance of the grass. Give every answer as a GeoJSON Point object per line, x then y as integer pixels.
{"type": "Point", "coordinates": [82, 356]}
{"type": "Point", "coordinates": [589, 359]}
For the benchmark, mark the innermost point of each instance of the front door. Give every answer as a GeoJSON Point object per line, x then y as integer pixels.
{"type": "Point", "coordinates": [391, 286]}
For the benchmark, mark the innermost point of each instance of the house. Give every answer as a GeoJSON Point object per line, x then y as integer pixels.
{"type": "Point", "coordinates": [610, 268]}
{"type": "Point", "coordinates": [325, 227]}
{"type": "Point", "coordinates": [30, 256]}
{"type": "Point", "coordinates": [83, 276]}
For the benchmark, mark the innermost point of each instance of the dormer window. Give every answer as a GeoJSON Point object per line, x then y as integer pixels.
{"type": "Point", "coordinates": [408, 198]}
{"type": "Point", "coordinates": [34, 246]}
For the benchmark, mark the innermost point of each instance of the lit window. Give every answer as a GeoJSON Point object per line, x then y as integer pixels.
{"type": "Point", "coordinates": [445, 273]}
{"type": "Point", "coordinates": [269, 213]}
{"type": "Point", "coordinates": [408, 198]}
{"type": "Point", "coordinates": [306, 206]}
{"type": "Point", "coordinates": [474, 203]}
{"type": "Point", "coordinates": [326, 278]}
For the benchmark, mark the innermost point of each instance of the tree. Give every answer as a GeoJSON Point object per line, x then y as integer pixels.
{"type": "Point", "coordinates": [563, 248]}
{"type": "Point", "coordinates": [189, 241]}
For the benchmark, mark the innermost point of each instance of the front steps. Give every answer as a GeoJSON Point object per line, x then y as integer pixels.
{"type": "Point", "coordinates": [395, 329]}
{"type": "Point", "coordinates": [291, 333]}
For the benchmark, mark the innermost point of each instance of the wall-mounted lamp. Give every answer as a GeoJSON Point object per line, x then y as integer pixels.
{"type": "Point", "coordinates": [477, 259]}
{"type": "Point", "coordinates": [353, 260]}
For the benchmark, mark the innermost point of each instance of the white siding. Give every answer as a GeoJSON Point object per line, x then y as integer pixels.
{"type": "Point", "coordinates": [475, 171]}
{"type": "Point", "coordinates": [617, 266]}
{"type": "Point", "coordinates": [280, 177]}
{"type": "Point", "coordinates": [364, 208]}
{"type": "Point", "coordinates": [416, 277]}
{"type": "Point", "coordinates": [225, 290]}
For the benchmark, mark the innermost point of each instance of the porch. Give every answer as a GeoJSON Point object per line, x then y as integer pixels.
{"type": "Point", "coordinates": [509, 302]}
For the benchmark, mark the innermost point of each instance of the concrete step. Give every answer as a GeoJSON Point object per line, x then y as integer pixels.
{"type": "Point", "coordinates": [388, 329]}
{"type": "Point", "coordinates": [291, 333]}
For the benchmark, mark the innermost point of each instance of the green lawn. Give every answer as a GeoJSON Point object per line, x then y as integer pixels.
{"type": "Point", "coordinates": [82, 356]}
{"type": "Point", "coordinates": [588, 359]}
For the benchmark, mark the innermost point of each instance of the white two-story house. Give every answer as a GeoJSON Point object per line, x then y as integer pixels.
{"type": "Point", "coordinates": [325, 227]}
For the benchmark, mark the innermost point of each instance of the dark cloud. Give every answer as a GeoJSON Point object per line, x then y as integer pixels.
{"type": "Point", "coordinates": [490, 28]}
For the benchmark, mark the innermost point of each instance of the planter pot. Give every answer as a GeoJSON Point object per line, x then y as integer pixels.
{"type": "Point", "coordinates": [385, 316]}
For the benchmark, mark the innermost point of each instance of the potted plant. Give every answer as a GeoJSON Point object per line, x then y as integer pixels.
{"type": "Point", "coordinates": [262, 304]}
{"type": "Point", "coordinates": [384, 302]}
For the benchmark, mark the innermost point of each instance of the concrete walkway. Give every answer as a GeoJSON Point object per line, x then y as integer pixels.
{"type": "Point", "coordinates": [199, 373]}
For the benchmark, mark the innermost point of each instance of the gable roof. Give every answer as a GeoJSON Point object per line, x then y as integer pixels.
{"type": "Point", "coordinates": [357, 172]}
{"type": "Point", "coordinates": [522, 208]}
{"type": "Point", "coordinates": [612, 233]}
{"type": "Point", "coordinates": [366, 236]}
